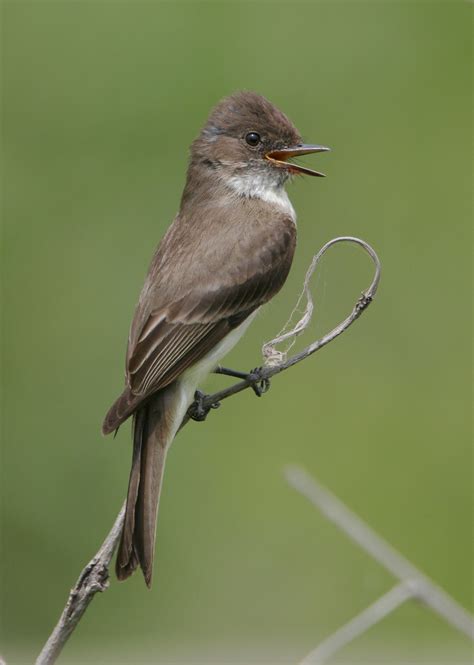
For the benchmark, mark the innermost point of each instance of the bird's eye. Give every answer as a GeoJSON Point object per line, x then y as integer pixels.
{"type": "Point", "coordinates": [253, 138]}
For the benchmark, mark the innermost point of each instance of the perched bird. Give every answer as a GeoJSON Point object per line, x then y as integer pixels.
{"type": "Point", "coordinates": [227, 253]}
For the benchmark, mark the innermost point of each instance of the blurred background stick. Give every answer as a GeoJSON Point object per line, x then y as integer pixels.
{"type": "Point", "coordinates": [382, 607]}
{"type": "Point", "coordinates": [413, 583]}
{"type": "Point", "coordinates": [94, 577]}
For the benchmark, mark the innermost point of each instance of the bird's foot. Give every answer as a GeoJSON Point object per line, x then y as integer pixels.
{"type": "Point", "coordinates": [198, 410]}
{"type": "Point", "coordinates": [258, 383]}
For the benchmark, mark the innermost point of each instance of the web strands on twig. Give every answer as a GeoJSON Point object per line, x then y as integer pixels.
{"type": "Point", "coordinates": [271, 355]}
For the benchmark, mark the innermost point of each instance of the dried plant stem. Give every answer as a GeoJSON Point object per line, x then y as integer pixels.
{"type": "Point", "coordinates": [93, 578]}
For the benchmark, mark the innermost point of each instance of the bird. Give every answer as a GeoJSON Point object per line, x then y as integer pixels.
{"type": "Point", "coordinates": [227, 252]}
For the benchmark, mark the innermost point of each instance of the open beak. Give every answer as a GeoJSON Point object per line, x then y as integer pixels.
{"type": "Point", "coordinates": [280, 157]}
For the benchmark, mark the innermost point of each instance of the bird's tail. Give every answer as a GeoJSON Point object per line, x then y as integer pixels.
{"type": "Point", "coordinates": [154, 428]}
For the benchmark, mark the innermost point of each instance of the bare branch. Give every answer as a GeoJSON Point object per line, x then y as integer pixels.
{"type": "Point", "coordinates": [92, 579]}
{"type": "Point", "coordinates": [421, 587]}
{"type": "Point", "coordinates": [272, 368]}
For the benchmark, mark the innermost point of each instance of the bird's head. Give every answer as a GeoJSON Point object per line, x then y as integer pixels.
{"type": "Point", "coordinates": [246, 136]}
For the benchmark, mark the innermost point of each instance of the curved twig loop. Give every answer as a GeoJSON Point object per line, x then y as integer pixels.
{"type": "Point", "coordinates": [276, 361]}
{"type": "Point", "coordinates": [274, 357]}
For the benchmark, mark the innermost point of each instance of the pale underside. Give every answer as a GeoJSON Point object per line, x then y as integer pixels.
{"type": "Point", "coordinates": [193, 377]}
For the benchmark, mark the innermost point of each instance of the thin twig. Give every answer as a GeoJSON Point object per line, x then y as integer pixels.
{"type": "Point", "coordinates": [267, 371]}
{"type": "Point", "coordinates": [360, 532]}
{"type": "Point", "coordinates": [383, 606]}
{"type": "Point", "coordinates": [94, 576]}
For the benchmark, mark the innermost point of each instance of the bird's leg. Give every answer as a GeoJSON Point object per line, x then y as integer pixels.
{"type": "Point", "coordinates": [259, 384]}
{"type": "Point", "coordinates": [197, 410]}
{"type": "Point", "coordinates": [230, 372]}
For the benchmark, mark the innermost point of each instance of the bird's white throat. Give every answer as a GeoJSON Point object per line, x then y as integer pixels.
{"type": "Point", "coordinates": [260, 186]}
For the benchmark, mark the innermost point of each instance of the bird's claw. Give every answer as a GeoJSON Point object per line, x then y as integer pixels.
{"type": "Point", "coordinates": [259, 384]}
{"type": "Point", "coordinates": [197, 411]}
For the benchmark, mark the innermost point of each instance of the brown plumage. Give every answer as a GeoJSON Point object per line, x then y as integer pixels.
{"type": "Point", "coordinates": [228, 251]}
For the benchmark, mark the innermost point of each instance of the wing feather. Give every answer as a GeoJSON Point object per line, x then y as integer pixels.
{"type": "Point", "coordinates": [177, 345]}
{"type": "Point", "coordinates": [183, 314]}
{"type": "Point", "coordinates": [172, 341]}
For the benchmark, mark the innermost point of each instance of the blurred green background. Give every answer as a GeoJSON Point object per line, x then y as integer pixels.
{"type": "Point", "coordinates": [100, 103]}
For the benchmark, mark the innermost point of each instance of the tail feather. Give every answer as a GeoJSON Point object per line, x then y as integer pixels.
{"type": "Point", "coordinates": [153, 432]}
{"type": "Point", "coordinates": [127, 559]}
{"type": "Point", "coordinates": [152, 468]}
